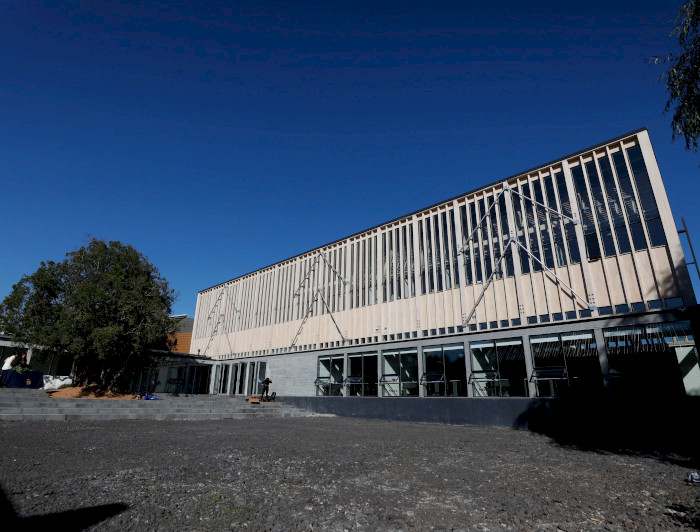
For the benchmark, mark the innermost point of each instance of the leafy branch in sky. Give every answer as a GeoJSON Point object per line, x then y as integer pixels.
{"type": "Point", "coordinates": [683, 76]}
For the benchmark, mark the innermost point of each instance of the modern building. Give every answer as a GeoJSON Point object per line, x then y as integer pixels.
{"type": "Point", "coordinates": [568, 279]}
{"type": "Point", "coordinates": [180, 341]}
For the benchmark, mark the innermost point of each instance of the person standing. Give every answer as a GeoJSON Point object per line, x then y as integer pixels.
{"type": "Point", "coordinates": [266, 388]}
{"type": "Point", "coordinates": [7, 368]}
{"type": "Point", "coordinates": [9, 362]}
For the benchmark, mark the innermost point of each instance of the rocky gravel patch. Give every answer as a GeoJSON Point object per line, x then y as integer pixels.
{"type": "Point", "coordinates": [327, 473]}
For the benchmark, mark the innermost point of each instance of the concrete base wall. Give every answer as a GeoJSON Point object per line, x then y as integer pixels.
{"type": "Point", "coordinates": [639, 417]}
{"type": "Point", "coordinates": [455, 411]}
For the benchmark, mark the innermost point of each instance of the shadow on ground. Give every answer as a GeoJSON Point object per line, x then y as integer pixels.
{"type": "Point", "coordinates": [69, 521]}
{"type": "Point", "coordinates": [662, 428]}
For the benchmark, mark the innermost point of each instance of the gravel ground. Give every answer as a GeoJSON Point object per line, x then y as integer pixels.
{"type": "Point", "coordinates": [328, 473]}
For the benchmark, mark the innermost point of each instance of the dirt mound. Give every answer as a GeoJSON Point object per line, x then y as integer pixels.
{"type": "Point", "coordinates": [87, 392]}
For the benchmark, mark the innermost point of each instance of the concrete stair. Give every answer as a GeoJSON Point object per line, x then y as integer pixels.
{"type": "Point", "coordinates": [37, 405]}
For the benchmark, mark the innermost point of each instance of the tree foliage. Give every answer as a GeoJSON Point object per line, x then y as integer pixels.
{"type": "Point", "coordinates": [105, 305]}
{"type": "Point", "coordinates": [683, 76]}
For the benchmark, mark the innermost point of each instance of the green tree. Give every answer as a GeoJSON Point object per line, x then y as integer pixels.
{"type": "Point", "coordinates": [105, 305]}
{"type": "Point", "coordinates": [683, 76]}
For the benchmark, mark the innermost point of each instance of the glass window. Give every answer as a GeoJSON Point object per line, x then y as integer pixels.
{"type": "Point", "coordinates": [362, 375]}
{"type": "Point", "coordinates": [485, 240]}
{"type": "Point", "coordinates": [653, 359]}
{"type": "Point", "coordinates": [436, 253]}
{"type": "Point", "coordinates": [498, 368]}
{"type": "Point", "coordinates": [475, 243]}
{"type": "Point", "coordinates": [262, 369]}
{"type": "Point", "coordinates": [455, 370]}
{"type": "Point", "coordinates": [433, 378]}
{"type": "Point", "coordinates": [507, 247]}
{"type": "Point", "coordinates": [531, 230]}
{"type": "Point", "coordinates": [383, 254]}
{"type": "Point", "coordinates": [587, 217]}
{"type": "Point", "coordinates": [555, 221]}
{"type": "Point", "coordinates": [446, 252]}
{"type": "Point", "coordinates": [615, 206]}
{"type": "Point", "coordinates": [541, 221]}
{"type": "Point", "coordinates": [520, 225]}
{"type": "Point", "coordinates": [569, 228]}
{"type": "Point", "coordinates": [455, 258]}
{"type": "Point", "coordinates": [673, 302]}
{"type": "Point", "coordinates": [495, 238]}
{"type": "Point", "coordinates": [399, 373]}
{"type": "Point", "coordinates": [444, 371]}
{"type": "Point", "coordinates": [431, 256]}
{"type": "Point", "coordinates": [336, 380]}
{"type": "Point", "coordinates": [629, 201]}
{"type": "Point", "coordinates": [646, 197]}
{"type": "Point", "coordinates": [566, 364]}
{"type": "Point", "coordinates": [600, 209]}
{"type": "Point", "coordinates": [465, 245]}
{"type": "Point", "coordinates": [421, 256]}
{"type": "Point", "coordinates": [392, 264]}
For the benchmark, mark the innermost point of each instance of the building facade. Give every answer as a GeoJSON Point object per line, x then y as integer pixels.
{"type": "Point", "coordinates": [567, 279]}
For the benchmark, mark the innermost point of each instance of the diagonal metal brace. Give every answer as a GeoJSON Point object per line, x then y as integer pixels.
{"type": "Point", "coordinates": [590, 307]}
{"type": "Point", "coordinates": [557, 213]}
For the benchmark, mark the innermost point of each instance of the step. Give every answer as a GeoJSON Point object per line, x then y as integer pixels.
{"type": "Point", "coordinates": [154, 416]}
{"type": "Point", "coordinates": [29, 405]}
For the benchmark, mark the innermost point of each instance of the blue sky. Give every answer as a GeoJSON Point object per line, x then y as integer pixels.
{"type": "Point", "coordinates": [221, 137]}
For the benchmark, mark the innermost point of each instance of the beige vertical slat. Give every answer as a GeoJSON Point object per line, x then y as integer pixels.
{"type": "Point", "coordinates": [416, 325]}
{"type": "Point", "coordinates": [460, 262]}
{"type": "Point", "coordinates": [677, 257]}
{"type": "Point", "coordinates": [590, 290]}
{"type": "Point", "coordinates": [517, 271]}
{"type": "Point", "coordinates": [668, 287]}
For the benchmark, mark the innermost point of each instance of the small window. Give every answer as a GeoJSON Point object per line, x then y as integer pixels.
{"type": "Point", "coordinates": [584, 313]}
{"type": "Point", "coordinates": [656, 232]}
{"type": "Point", "coordinates": [425, 332]}
{"type": "Point", "coordinates": [557, 316]}
{"type": "Point", "coordinates": [674, 302]}
{"type": "Point", "coordinates": [442, 330]}
{"type": "Point", "coordinates": [472, 327]}
{"type": "Point", "coordinates": [638, 306]}
{"type": "Point", "coordinates": [655, 304]}
{"type": "Point", "coordinates": [450, 330]}
{"type": "Point", "coordinates": [483, 326]}
{"type": "Point", "coordinates": [392, 337]}
{"type": "Point", "coordinates": [570, 314]}
{"type": "Point", "coordinates": [544, 318]}
{"type": "Point", "coordinates": [493, 325]}
{"type": "Point", "coordinates": [605, 311]}
{"type": "Point", "coordinates": [516, 322]}
{"type": "Point", "coordinates": [505, 323]}
{"type": "Point", "coordinates": [414, 334]}
{"type": "Point", "coordinates": [621, 309]}
{"type": "Point", "coordinates": [531, 320]}
{"type": "Point", "coordinates": [433, 332]}
{"type": "Point", "coordinates": [460, 328]}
